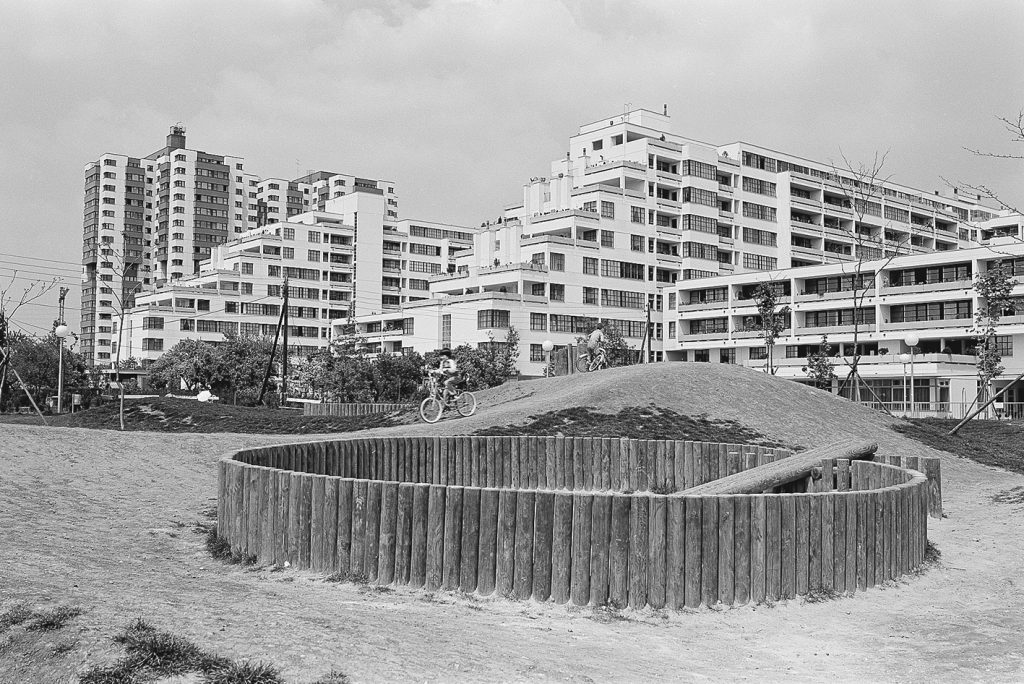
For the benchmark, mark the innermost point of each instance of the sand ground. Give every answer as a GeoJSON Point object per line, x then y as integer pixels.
{"type": "Point", "coordinates": [100, 520]}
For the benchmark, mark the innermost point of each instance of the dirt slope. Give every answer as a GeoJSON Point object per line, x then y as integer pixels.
{"type": "Point", "coordinates": [90, 518]}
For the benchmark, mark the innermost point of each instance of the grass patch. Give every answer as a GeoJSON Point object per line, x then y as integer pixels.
{"type": "Point", "coordinates": [1010, 496]}
{"type": "Point", "coordinates": [997, 443]}
{"type": "Point", "coordinates": [635, 422]}
{"type": "Point", "coordinates": [43, 620]}
{"type": "Point", "coordinates": [152, 654]}
{"type": "Point", "coordinates": [220, 549]}
{"type": "Point", "coordinates": [167, 414]}
{"type": "Point", "coordinates": [821, 595]}
{"type": "Point", "coordinates": [334, 677]}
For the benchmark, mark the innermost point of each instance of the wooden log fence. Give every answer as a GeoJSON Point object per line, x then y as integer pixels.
{"type": "Point", "coordinates": [591, 521]}
{"type": "Point", "coordinates": [346, 410]}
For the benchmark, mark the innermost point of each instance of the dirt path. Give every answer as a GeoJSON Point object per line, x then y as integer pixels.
{"type": "Point", "coordinates": [89, 518]}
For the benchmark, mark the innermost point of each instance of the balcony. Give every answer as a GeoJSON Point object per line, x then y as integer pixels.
{"type": "Point", "coordinates": [833, 296]}
{"type": "Point", "coordinates": [928, 325]}
{"type": "Point", "coordinates": [724, 189]}
{"type": "Point", "coordinates": [805, 202]}
{"type": "Point", "coordinates": [928, 287]}
{"type": "Point", "coordinates": [615, 164]}
{"type": "Point", "coordinates": [704, 306]}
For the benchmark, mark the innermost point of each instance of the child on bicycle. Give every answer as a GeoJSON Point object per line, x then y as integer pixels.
{"type": "Point", "coordinates": [448, 371]}
{"type": "Point", "coordinates": [594, 343]}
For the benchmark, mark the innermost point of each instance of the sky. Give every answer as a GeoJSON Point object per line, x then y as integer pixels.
{"type": "Point", "coordinates": [461, 102]}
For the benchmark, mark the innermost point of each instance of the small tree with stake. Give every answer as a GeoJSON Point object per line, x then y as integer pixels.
{"type": "Point", "coordinates": [820, 368]}
{"type": "Point", "coordinates": [772, 320]}
{"type": "Point", "coordinates": [994, 288]}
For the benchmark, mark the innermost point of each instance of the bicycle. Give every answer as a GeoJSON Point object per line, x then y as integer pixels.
{"type": "Point", "coordinates": [434, 405]}
{"type": "Point", "coordinates": [585, 363]}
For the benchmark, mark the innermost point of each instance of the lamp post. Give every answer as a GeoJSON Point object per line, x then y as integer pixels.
{"type": "Point", "coordinates": [547, 346]}
{"type": "Point", "coordinates": [905, 359]}
{"type": "Point", "coordinates": [912, 341]}
{"type": "Point", "coordinates": [61, 332]}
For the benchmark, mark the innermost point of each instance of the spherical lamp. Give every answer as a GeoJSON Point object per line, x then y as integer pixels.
{"type": "Point", "coordinates": [904, 358]}
{"type": "Point", "coordinates": [911, 340]}
{"type": "Point", "coordinates": [547, 345]}
{"type": "Point", "coordinates": [62, 331]}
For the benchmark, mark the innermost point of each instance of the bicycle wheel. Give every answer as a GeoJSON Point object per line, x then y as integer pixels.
{"type": "Point", "coordinates": [466, 403]}
{"type": "Point", "coordinates": [583, 364]}
{"type": "Point", "coordinates": [431, 409]}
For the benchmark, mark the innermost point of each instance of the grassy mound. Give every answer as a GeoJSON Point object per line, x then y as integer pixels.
{"type": "Point", "coordinates": [992, 442]}
{"type": "Point", "coordinates": [165, 414]}
{"type": "Point", "coordinates": [648, 422]}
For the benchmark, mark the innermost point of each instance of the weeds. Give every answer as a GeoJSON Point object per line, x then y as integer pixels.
{"type": "Point", "coordinates": [822, 595]}
{"type": "Point", "coordinates": [152, 654]}
{"type": "Point", "coordinates": [52, 619]}
{"type": "Point", "coordinates": [1010, 496]}
{"type": "Point", "coordinates": [15, 615]}
{"type": "Point", "coordinates": [220, 549]}
{"type": "Point", "coordinates": [333, 677]}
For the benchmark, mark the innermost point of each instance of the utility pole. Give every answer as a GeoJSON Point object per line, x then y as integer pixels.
{"type": "Point", "coordinates": [60, 353]}
{"type": "Point", "coordinates": [284, 357]}
{"type": "Point", "coordinates": [647, 357]}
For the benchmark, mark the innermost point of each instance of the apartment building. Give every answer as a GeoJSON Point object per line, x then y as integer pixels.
{"type": "Point", "coordinates": [339, 263]}
{"type": "Point", "coordinates": [634, 209]}
{"type": "Point", "coordinates": [155, 219]}
{"type": "Point", "coordinates": [930, 297]}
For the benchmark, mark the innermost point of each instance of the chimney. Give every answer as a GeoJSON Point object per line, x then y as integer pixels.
{"type": "Point", "coordinates": [665, 109]}
{"type": "Point", "coordinates": [176, 138]}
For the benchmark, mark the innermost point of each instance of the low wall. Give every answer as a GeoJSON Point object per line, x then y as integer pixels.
{"type": "Point", "coordinates": [344, 410]}
{"type": "Point", "coordinates": [535, 517]}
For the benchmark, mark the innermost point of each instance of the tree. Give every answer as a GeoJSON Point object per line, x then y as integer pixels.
{"type": "Point", "coordinates": [11, 300]}
{"type": "Point", "coordinates": [1015, 127]}
{"type": "Point", "coordinates": [860, 186]}
{"type": "Point", "coordinates": [993, 288]}
{"type": "Point", "coordinates": [124, 266]}
{"type": "Point", "coordinates": [820, 368]}
{"type": "Point", "coordinates": [190, 362]}
{"type": "Point", "coordinates": [771, 319]}
{"type": "Point", "coordinates": [240, 362]}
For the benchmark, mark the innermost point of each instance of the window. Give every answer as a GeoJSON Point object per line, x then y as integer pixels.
{"type": "Point", "coordinates": [623, 299]}
{"type": "Point", "coordinates": [636, 243]}
{"type": "Point", "coordinates": [187, 325]}
{"type": "Point", "coordinates": [247, 268]}
{"type": "Point", "coordinates": [536, 352]}
{"type": "Point", "coordinates": [152, 323]}
{"type": "Point", "coordinates": [758, 211]}
{"type": "Point", "coordinates": [761, 187]}
{"type": "Point", "coordinates": [556, 292]}
{"type": "Point", "coordinates": [759, 237]}
{"type": "Point", "coordinates": [537, 259]}
{"type": "Point", "coordinates": [607, 238]}
{"type": "Point", "coordinates": [698, 250]}
{"type": "Point", "coordinates": [537, 289]}
{"type": "Point", "coordinates": [622, 269]}
{"type": "Point", "coordinates": [590, 295]}
{"type": "Point", "coordinates": [759, 262]}
{"type": "Point", "coordinates": [152, 344]}
{"type": "Point", "coordinates": [230, 307]}
{"type": "Point", "coordinates": [538, 321]}
{"type": "Point", "coordinates": [672, 330]}
{"type": "Point", "coordinates": [313, 255]}
{"type": "Point", "coordinates": [727, 355]}
{"type": "Point", "coordinates": [699, 196]}
{"type": "Point", "coordinates": [557, 262]}
{"type": "Point", "coordinates": [1004, 345]}
{"type": "Point", "coordinates": [589, 266]}
{"type": "Point", "coordinates": [590, 206]}
{"type": "Point", "coordinates": [274, 271]}
{"type": "Point", "coordinates": [288, 252]}
{"type": "Point", "coordinates": [607, 209]}
{"type": "Point", "coordinates": [708, 326]}
{"type": "Point", "coordinates": [491, 318]}
{"type": "Point", "coordinates": [288, 233]}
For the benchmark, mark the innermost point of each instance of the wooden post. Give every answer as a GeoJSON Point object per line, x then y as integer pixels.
{"type": "Point", "coordinates": [403, 533]}
{"type": "Point", "coordinates": [727, 549]}
{"type": "Point", "coordinates": [522, 582]}
{"type": "Point", "coordinates": [618, 561]}
{"type": "Point", "coordinates": [316, 524]}
{"type": "Point", "coordinates": [741, 577]}
{"type": "Point", "coordinates": [371, 551]}
{"type": "Point", "coordinates": [542, 539]}
{"type": "Point", "coordinates": [675, 572]}
{"type": "Point", "coordinates": [561, 547]}
{"type": "Point", "coordinates": [488, 540]}
{"type": "Point", "coordinates": [600, 548]}
{"type": "Point", "coordinates": [709, 551]}
{"type": "Point", "coordinates": [470, 535]}
{"type": "Point", "coordinates": [418, 550]}
{"type": "Point", "coordinates": [582, 521]}
{"type": "Point", "coordinates": [657, 546]}
{"type": "Point", "coordinates": [435, 537]}
{"type": "Point", "coordinates": [504, 572]}
{"type": "Point", "coordinates": [451, 563]}
{"type": "Point", "coordinates": [388, 533]}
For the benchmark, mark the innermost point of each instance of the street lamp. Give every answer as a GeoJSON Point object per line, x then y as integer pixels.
{"type": "Point", "coordinates": [61, 331]}
{"type": "Point", "coordinates": [912, 340]}
{"type": "Point", "coordinates": [905, 359]}
{"type": "Point", "coordinates": [547, 346]}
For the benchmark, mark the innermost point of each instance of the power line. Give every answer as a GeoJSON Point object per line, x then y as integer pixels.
{"type": "Point", "coordinates": [55, 261]}
{"type": "Point", "coordinates": [50, 268]}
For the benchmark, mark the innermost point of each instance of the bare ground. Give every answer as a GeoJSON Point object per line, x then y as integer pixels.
{"type": "Point", "coordinates": [100, 520]}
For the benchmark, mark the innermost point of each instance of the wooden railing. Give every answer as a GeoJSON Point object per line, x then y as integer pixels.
{"type": "Point", "coordinates": [344, 410]}
{"type": "Point", "coordinates": [592, 521]}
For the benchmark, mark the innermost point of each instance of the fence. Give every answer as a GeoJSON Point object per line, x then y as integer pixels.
{"type": "Point", "coordinates": [345, 410]}
{"type": "Point", "coordinates": [1009, 410]}
{"type": "Point", "coordinates": [538, 517]}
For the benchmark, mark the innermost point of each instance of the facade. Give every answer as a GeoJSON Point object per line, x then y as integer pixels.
{"type": "Point", "coordinates": [928, 296]}
{"type": "Point", "coordinates": [153, 220]}
{"type": "Point", "coordinates": [634, 213]}
{"type": "Point", "coordinates": [339, 263]}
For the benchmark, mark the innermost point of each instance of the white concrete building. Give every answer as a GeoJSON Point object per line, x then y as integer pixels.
{"type": "Point", "coordinates": [635, 209]}
{"type": "Point", "coordinates": [928, 296]}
